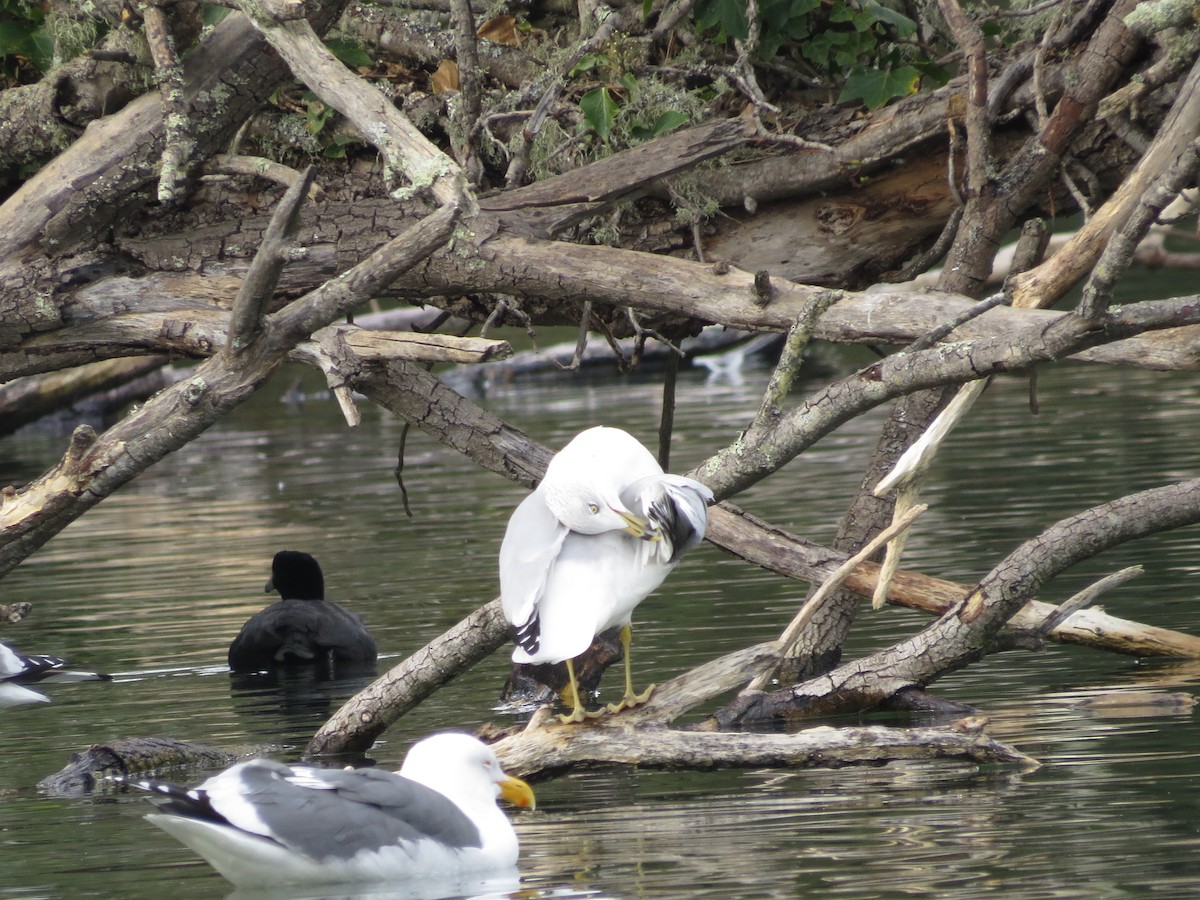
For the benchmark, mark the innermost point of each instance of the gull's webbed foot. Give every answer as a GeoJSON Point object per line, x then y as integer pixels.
{"type": "Point", "coordinates": [578, 714]}
{"type": "Point", "coordinates": [630, 700]}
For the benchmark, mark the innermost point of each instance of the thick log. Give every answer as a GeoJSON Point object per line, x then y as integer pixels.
{"type": "Point", "coordinates": [552, 749]}
{"type": "Point", "coordinates": [367, 714]}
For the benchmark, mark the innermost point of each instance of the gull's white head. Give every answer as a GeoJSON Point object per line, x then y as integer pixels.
{"type": "Point", "coordinates": [464, 769]}
{"type": "Point", "coordinates": [584, 481]}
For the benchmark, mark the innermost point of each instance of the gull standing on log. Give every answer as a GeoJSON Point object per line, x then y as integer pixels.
{"type": "Point", "coordinates": [595, 538]}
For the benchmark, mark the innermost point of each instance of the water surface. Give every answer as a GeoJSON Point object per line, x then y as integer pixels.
{"type": "Point", "coordinates": [153, 584]}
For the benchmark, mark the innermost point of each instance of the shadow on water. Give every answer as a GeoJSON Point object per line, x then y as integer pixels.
{"type": "Point", "coordinates": [154, 583]}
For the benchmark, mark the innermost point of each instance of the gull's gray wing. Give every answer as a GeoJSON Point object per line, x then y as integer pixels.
{"type": "Point", "coordinates": [325, 813]}
{"type": "Point", "coordinates": [531, 545]}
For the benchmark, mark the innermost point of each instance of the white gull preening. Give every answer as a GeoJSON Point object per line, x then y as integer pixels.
{"type": "Point", "coordinates": [599, 534]}
{"type": "Point", "coordinates": [264, 823]}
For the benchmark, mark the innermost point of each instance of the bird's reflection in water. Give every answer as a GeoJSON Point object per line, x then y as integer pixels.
{"type": "Point", "coordinates": [296, 699]}
{"type": "Point", "coordinates": [493, 887]}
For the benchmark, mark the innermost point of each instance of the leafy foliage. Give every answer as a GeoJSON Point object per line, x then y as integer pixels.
{"type": "Point", "coordinates": [26, 48]}
{"type": "Point", "coordinates": [623, 102]}
{"type": "Point", "coordinates": [866, 47]}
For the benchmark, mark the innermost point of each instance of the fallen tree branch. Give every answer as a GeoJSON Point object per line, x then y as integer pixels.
{"type": "Point", "coordinates": [1086, 598]}
{"type": "Point", "coordinates": [837, 578]}
{"type": "Point", "coordinates": [419, 398]}
{"type": "Point", "coordinates": [79, 193]}
{"type": "Point", "coordinates": [404, 148]}
{"type": "Point", "coordinates": [356, 725]}
{"type": "Point", "coordinates": [554, 749]}
{"type": "Point", "coordinates": [1040, 287]}
{"type": "Point", "coordinates": [968, 629]}
{"type": "Point", "coordinates": [95, 467]}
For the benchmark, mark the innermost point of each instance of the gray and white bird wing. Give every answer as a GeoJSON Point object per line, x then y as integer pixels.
{"type": "Point", "coordinates": [677, 506]}
{"type": "Point", "coordinates": [337, 814]}
{"type": "Point", "coordinates": [263, 822]}
{"type": "Point", "coordinates": [531, 545]}
{"type": "Point", "coordinates": [596, 583]}
{"type": "Point", "coordinates": [13, 664]}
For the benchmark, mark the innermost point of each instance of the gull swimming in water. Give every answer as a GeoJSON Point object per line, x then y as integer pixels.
{"type": "Point", "coordinates": [598, 535]}
{"type": "Point", "coordinates": [263, 823]}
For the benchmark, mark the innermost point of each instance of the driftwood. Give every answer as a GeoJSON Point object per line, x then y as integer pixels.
{"type": "Point", "coordinates": [70, 299]}
{"type": "Point", "coordinates": [88, 769]}
{"type": "Point", "coordinates": [363, 718]}
{"type": "Point", "coordinates": [552, 749]}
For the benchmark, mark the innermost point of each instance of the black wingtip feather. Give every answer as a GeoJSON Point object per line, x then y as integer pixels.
{"type": "Point", "coordinates": [191, 803]}
{"type": "Point", "coordinates": [528, 636]}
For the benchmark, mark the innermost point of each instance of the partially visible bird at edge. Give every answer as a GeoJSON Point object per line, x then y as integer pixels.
{"type": "Point", "coordinates": [302, 628]}
{"type": "Point", "coordinates": [18, 670]}
{"type": "Point", "coordinates": [598, 535]}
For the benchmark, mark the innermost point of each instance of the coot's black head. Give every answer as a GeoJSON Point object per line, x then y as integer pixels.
{"type": "Point", "coordinates": [296, 576]}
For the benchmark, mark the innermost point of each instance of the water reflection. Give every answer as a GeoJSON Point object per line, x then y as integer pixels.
{"type": "Point", "coordinates": [295, 694]}
{"type": "Point", "coordinates": [154, 583]}
{"type": "Point", "coordinates": [491, 888]}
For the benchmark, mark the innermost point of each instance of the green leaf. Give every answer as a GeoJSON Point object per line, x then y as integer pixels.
{"type": "Point", "coordinates": [727, 15]}
{"type": "Point", "coordinates": [351, 53]}
{"type": "Point", "coordinates": [630, 83]}
{"type": "Point", "coordinates": [933, 74]}
{"type": "Point", "coordinates": [820, 48]}
{"type": "Point", "coordinates": [336, 149]}
{"type": "Point", "coordinates": [599, 109]}
{"type": "Point", "coordinates": [590, 61]}
{"type": "Point", "coordinates": [16, 39]}
{"type": "Point", "coordinates": [901, 24]}
{"type": "Point", "coordinates": [668, 122]}
{"type": "Point", "coordinates": [876, 87]}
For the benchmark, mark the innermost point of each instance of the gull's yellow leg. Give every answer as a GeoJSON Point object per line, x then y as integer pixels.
{"type": "Point", "coordinates": [630, 699]}
{"type": "Point", "coordinates": [578, 714]}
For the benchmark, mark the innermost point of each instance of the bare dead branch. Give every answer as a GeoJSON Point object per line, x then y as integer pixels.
{"type": "Point", "coordinates": [367, 715]}
{"type": "Point", "coordinates": [967, 631]}
{"type": "Point", "coordinates": [1086, 598]}
{"type": "Point", "coordinates": [554, 749]}
{"type": "Point", "coordinates": [1118, 253]}
{"type": "Point", "coordinates": [790, 361]}
{"type": "Point", "coordinates": [1049, 281]}
{"type": "Point", "coordinates": [470, 103]}
{"type": "Point", "coordinates": [258, 287]}
{"type": "Point", "coordinates": [179, 144]}
{"type": "Point", "coordinates": [834, 582]}
{"type": "Point", "coordinates": [404, 148]}
{"type": "Point", "coordinates": [519, 165]}
{"type": "Point", "coordinates": [258, 167]}
{"type": "Point", "coordinates": [178, 414]}
{"type": "Point", "coordinates": [970, 39]}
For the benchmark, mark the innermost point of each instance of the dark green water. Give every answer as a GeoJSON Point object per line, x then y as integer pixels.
{"type": "Point", "coordinates": [154, 583]}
